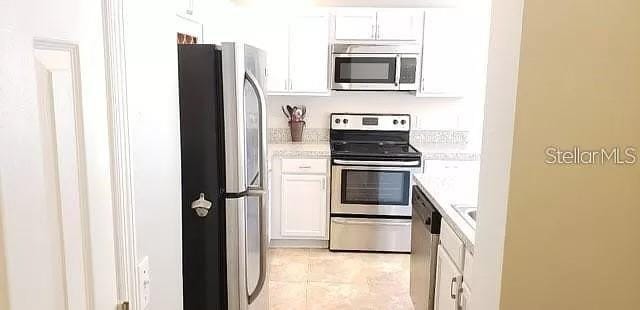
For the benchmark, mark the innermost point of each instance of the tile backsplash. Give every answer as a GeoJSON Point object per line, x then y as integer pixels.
{"type": "Point", "coordinates": [418, 137]}
{"type": "Point", "coordinates": [309, 136]}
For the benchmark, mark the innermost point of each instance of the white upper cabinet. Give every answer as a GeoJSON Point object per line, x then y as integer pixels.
{"type": "Point", "coordinates": [355, 24]}
{"type": "Point", "coordinates": [185, 7]}
{"type": "Point", "coordinates": [443, 59]}
{"type": "Point", "coordinates": [297, 54]}
{"type": "Point", "coordinates": [308, 54]}
{"type": "Point", "coordinates": [399, 25]}
{"type": "Point", "coordinates": [382, 25]}
{"type": "Point", "coordinates": [276, 45]}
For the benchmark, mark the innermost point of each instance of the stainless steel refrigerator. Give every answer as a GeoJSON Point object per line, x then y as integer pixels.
{"type": "Point", "coordinates": [224, 178]}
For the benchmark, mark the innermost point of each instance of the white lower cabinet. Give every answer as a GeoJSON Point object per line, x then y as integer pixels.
{"type": "Point", "coordinates": [448, 281]}
{"type": "Point", "coordinates": [300, 204]}
{"type": "Point", "coordinates": [465, 297]}
{"type": "Point", "coordinates": [304, 206]}
{"type": "Point", "coordinates": [453, 272]}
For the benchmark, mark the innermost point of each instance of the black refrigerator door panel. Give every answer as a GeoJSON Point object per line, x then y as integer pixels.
{"type": "Point", "coordinates": [202, 150]}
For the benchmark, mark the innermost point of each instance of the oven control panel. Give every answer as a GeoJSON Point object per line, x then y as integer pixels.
{"type": "Point", "coordinates": [380, 122]}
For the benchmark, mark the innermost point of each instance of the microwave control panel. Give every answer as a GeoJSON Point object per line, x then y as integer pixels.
{"type": "Point", "coordinates": [408, 70]}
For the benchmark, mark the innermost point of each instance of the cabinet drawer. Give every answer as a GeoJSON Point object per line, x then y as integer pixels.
{"type": "Point", "coordinates": [452, 244]}
{"type": "Point", "coordinates": [304, 165]}
{"type": "Point", "coordinates": [368, 234]}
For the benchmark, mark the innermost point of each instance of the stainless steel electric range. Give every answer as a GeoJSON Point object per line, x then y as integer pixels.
{"type": "Point", "coordinates": [371, 166]}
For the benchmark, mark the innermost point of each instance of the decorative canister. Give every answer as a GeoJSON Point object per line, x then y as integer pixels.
{"type": "Point", "coordinates": [296, 130]}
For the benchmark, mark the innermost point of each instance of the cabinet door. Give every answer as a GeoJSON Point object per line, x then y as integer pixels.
{"type": "Point", "coordinates": [304, 206]}
{"type": "Point", "coordinates": [184, 7]}
{"type": "Point", "coordinates": [276, 45]}
{"type": "Point", "coordinates": [354, 24]}
{"type": "Point", "coordinates": [442, 56]}
{"type": "Point", "coordinates": [399, 25]}
{"type": "Point", "coordinates": [465, 297]}
{"type": "Point", "coordinates": [448, 280]}
{"type": "Point", "coordinates": [309, 54]}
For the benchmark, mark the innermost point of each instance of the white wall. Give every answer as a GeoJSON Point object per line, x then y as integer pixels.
{"type": "Point", "coordinates": [578, 81]}
{"type": "Point", "coordinates": [151, 60]}
{"type": "Point", "coordinates": [427, 113]}
{"type": "Point", "coordinates": [495, 160]}
{"type": "Point", "coordinates": [221, 20]}
{"type": "Point", "coordinates": [21, 155]}
{"type": "Point", "coordinates": [4, 287]}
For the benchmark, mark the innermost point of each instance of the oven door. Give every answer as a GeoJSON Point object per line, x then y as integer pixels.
{"type": "Point", "coordinates": [370, 190]}
{"type": "Point", "coordinates": [366, 72]}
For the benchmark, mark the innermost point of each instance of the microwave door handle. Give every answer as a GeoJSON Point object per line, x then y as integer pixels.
{"type": "Point", "coordinates": [398, 69]}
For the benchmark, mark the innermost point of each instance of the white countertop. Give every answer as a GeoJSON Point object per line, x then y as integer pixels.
{"type": "Point", "coordinates": [298, 149]}
{"type": "Point", "coordinates": [452, 182]}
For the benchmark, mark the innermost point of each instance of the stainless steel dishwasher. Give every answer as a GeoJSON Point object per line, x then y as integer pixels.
{"type": "Point", "coordinates": [425, 234]}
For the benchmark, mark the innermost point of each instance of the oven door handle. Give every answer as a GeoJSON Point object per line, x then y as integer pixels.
{"type": "Point", "coordinates": [414, 163]}
{"type": "Point", "coordinates": [405, 222]}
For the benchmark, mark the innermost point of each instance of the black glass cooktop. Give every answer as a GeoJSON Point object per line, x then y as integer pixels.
{"type": "Point", "coordinates": [374, 149]}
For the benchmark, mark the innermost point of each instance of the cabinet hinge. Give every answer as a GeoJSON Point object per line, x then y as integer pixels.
{"type": "Point", "coordinates": [124, 306]}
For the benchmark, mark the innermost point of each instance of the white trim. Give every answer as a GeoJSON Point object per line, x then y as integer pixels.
{"type": "Point", "coordinates": [121, 171]}
{"type": "Point", "coordinates": [71, 49]}
{"type": "Point", "coordinates": [299, 243]}
{"type": "Point", "coordinates": [291, 93]}
{"type": "Point", "coordinates": [497, 142]}
{"type": "Point", "coordinates": [4, 283]}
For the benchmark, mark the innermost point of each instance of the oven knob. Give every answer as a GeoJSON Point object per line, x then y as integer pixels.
{"type": "Point", "coordinates": [395, 122]}
{"type": "Point", "coordinates": [403, 122]}
{"type": "Point", "coordinates": [337, 121]}
{"type": "Point", "coordinates": [344, 121]}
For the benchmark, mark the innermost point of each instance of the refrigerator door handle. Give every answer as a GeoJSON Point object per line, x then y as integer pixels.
{"type": "Point", "coordinates": [253, 81]}
{"type": "Point", "coordinates": [261, 189]}
{"type": "Point", "coordinates": [263, 245]}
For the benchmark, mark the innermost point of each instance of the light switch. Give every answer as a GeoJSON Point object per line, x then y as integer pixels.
{"type": "Point", "coordinates": [144, 282]}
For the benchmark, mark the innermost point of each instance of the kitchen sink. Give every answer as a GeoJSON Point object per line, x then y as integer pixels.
{"type": "Point", "coordinates": [468, 212]}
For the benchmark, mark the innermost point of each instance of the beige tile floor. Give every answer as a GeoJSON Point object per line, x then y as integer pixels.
{"type": "Point", "coordinates": [320, 279]}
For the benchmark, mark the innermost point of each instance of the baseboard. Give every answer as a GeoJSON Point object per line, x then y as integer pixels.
{"type": "Point", "coordinates": [299, 243]}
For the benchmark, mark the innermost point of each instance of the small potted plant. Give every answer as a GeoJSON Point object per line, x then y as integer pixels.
{"type": "Point", "coordinates": [295, 116]}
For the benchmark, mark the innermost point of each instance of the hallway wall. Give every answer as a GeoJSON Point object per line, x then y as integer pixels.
{"type": "Point", "coordinates": [572, 230]}
{"type": "Point", "coordinates": [152, 68]}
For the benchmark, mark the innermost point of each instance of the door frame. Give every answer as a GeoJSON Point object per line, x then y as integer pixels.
{"type": "Point", "coordinates": [497, 144]}
{"type": "Point", "coordinates": [71, 50]}
{"type": "Point", "coordinates": [120, 149]}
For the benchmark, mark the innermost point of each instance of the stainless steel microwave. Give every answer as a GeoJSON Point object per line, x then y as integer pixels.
{"type": "Point", "coordinates": [374, 66]}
